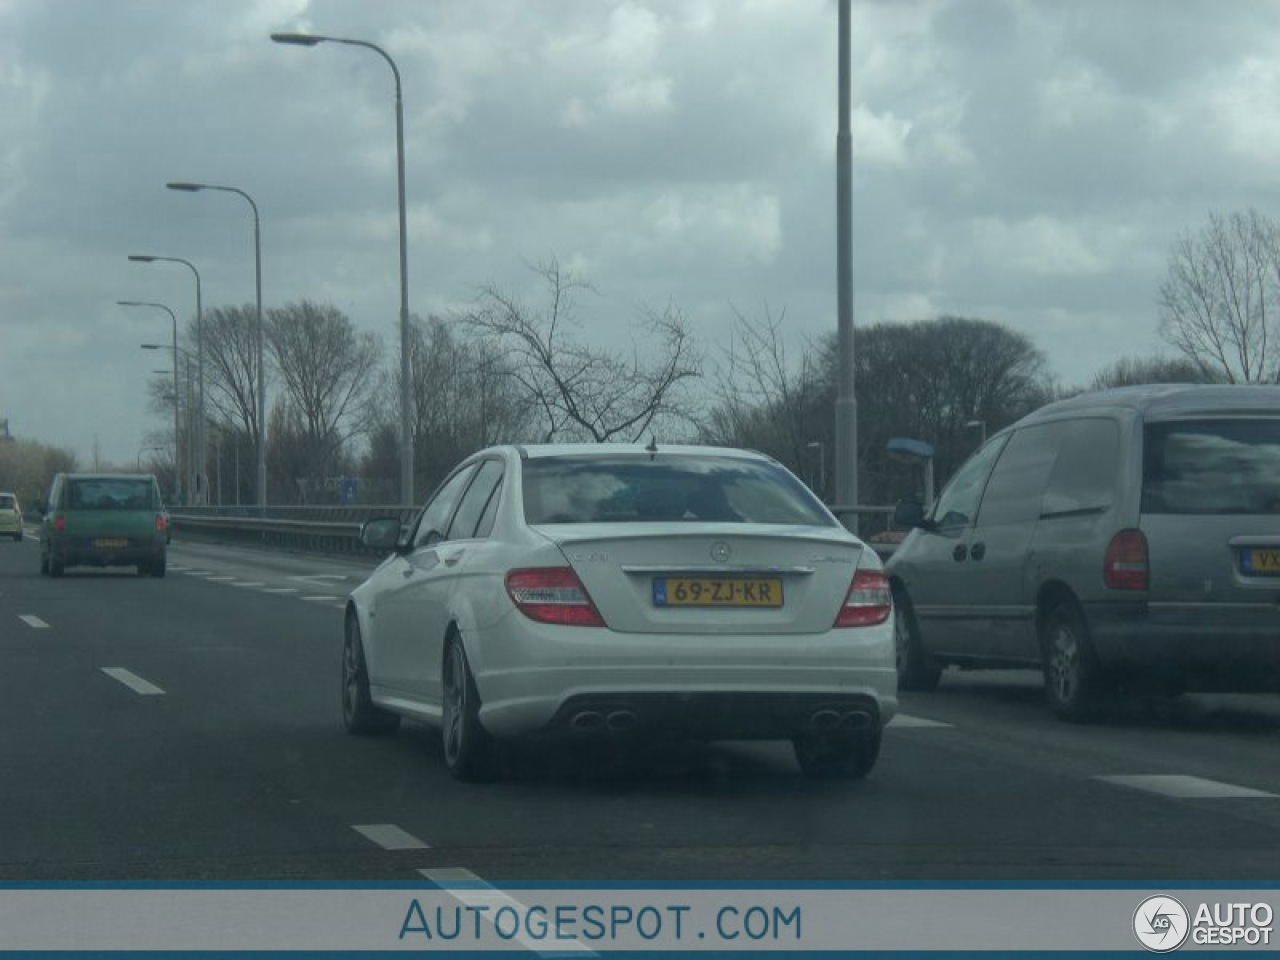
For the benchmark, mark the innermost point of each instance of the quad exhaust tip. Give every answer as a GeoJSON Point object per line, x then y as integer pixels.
{"type": "Point", "coordinates": [587, 720]}
{"type": "Point", "coordinates": [620, 721]}
{"type": "Point", "coordinates": [828, 720]}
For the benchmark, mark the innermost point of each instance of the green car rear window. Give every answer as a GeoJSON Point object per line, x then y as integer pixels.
{"type": "Point", "coordinates": [111, 494]}
{"type": "Point", "coordinates": [7, 502]}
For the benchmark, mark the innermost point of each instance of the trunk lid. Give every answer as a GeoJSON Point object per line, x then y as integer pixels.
{"type": "Point", "coordinates": [630, 569]}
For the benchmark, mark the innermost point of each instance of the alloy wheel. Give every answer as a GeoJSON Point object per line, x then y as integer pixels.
{"type": "Point", "coordinates": [455, 705]}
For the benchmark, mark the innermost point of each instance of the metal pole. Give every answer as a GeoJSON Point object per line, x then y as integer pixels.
{"type": "Point", "coordinates": [262, 368]}
{"type": "Point", "coordinates": [846, 453]}
{"type": "Point", "coordinates": [237, 471]}
{"type": "Point", "coordinates": [201, 478]}
{"type": "Point", "coordinates": [406, 428]}
{"type": "Point", "coordinates": [217, 459]}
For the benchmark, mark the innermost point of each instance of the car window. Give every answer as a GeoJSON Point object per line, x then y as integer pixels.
{"type": "Point", "coordinates": [1085, 474]}
{"type": "Point", "coordinates": [111, 494]}
{"type": "Point", "coordinates": [1212, 467]}
{"type": "Point", "coordinates": [485, 526]}
{"type": "Point", "coordinates": [673, 488]}
{"type": "Point", "coordinates": [474, 500]}
{"type": "Point", "coordinates": [1017, 483]}
{"type": "Point", "coordinates": [959, 501]}
{"type": "Point", "coordinates": [7, 502]}
{"type": "Point", "coordinates": [440, 507]}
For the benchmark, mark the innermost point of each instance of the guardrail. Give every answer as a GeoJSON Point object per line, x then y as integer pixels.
{"type": "Point", "coordinates": [308, 529]}
{"type": "Point", "coordinates": [337, 529]}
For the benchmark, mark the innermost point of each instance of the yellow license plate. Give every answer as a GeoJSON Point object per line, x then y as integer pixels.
{"type": "Point", "coordinates": [111, 543]}
{"type": "Point", "coordinates": [717, 592]}
{"type": "Point", "coordinates": [1265, 561]}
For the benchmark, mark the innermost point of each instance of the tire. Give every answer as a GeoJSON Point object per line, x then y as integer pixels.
{"type": "Point", "coordinates": [56, 567]}
{"type": "Point", "coordinates": [1073, 679]}
{"type": "Point", "coordinates": [143, 569]}
{"type": "Point", "coordinates": [359, 715]}
{"type": "Point", "coordinates": [917, 670]}
{"type": "Point", "coordinates": [837, 756]}
{"type": "Point", "coordinates": [44, 565]}
{"type": "Point", "coordinates": [18, 536]}
{"type": "Point", "coordinates": [469, 752]}
{"type": "Point", "coordinates": [158, 568]}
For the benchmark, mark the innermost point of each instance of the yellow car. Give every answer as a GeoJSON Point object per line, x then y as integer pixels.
{"type": "Point", "coordinates": [10, 516]}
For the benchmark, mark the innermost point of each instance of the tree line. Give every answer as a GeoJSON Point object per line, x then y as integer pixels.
{"type": "Point", "coordinates": [509, 370]}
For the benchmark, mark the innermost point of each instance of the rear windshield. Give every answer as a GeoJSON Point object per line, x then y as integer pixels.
{"type": "Point", "coordinates": [1212, 467]}
{"type": "Point", "coordinates": [111, 495]}
{"type": "Point", "coordinates": [7, 502]}
{"type": "Point", "coordinates": [667, 488]}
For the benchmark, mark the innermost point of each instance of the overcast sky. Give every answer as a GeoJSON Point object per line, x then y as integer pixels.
{"type": "Point", "coordinates": [1029, 163]}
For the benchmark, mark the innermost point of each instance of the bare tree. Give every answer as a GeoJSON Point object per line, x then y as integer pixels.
{"type": "Point", "coordinates": [581, 391]}
{"type": "Point", "coordinates": [1216, 301]}
{"type": "Point", "coordinates": [231, 360]}
{"type": "Point", "coordinates": [1135, 371]}
{"type": "Point", "coordinates": [327, 371]}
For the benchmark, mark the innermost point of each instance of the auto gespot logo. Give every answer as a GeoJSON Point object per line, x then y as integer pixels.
{"type": "Point", "coordinates": [1162, 924]}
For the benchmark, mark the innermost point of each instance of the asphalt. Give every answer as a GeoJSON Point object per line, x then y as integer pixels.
{"type": "Point", "coordinates": [240, 770]}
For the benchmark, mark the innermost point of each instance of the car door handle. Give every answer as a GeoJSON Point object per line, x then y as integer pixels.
{"type": "Point", "coordinates": [978, 550]}
{"type": "Point", "coordinates": [451, 559]}
{"type": "Point", "coordinates": [959, 553]}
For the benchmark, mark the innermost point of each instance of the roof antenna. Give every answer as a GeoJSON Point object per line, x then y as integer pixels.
{"type": "Point", "coordinates": [652, 448]}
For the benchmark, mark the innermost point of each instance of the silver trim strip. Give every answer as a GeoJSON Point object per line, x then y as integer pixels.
{"type": "Point", "coordinates": [719, 569]}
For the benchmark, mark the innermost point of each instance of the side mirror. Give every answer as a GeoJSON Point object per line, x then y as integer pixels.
{"type": "Point", "coordinates": [908, 514]}
{"type": "Point", "coordinates": [381, 533]}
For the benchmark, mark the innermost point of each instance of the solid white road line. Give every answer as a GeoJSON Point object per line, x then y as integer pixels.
{"type": "Point", "coordinates": [133, 681]}
{"type": "Point", "coordinates": [178, 569]}
{"type": "Point", "coordinates": [31, 620]}
{"type": "Point", "coordinates": [198, 573]}
{"type": "Point", "coordinates": [471, 890]}
{"type": "Point", "coordinates": [248, 583]}
{"type": "Point", "coordinates": [281, 590]}
{"type": "Point", "coordinates": [1183, 787]}
{"type": "Point", "coordinates": [389, 836]}
{"type": "Point", "coordinates": [219, 579]}
{"type": "Point", "coordinates": [318, 599]}
{"type": "Point", "coordinates": [907, 721]}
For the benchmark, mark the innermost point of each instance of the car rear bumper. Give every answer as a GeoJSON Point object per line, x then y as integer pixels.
{"type": "Point", "coordinates": [533, 678]}
{"type": "Point", "coordinates": [10, 524]}
{"type": "Point", "coordinates": [86, 553]}
{"type": "Point", "coordinates": [1230, 649]}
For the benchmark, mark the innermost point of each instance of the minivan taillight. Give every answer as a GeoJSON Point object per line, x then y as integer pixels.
{"type": "Point", "coordinates": [868, 601]}
{"type": "Point", "coordinates": [1126, 566]}
{"type": "Point", "coordinates": [553, 595]}
{"type": "Point", "coordinates": [59, 523]}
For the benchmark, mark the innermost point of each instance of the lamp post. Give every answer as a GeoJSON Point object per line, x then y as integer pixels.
{"type": "Point", "coordinates": [846, 452]}
{"type": "Point", "coordinates": [202, 484]}
{"type": "Point", "coordinates": [186, 356]}
{"type": "Point", "coordinates": [406, 430]}
{"type": "Point", "coordinates": [160, 306]}
{"type": "Point", "coordinates": [187, 187]}
{"type": "Point", "coordinates": [822, 464]}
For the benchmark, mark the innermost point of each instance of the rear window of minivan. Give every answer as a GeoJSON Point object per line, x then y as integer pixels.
{"type": "Point", "coordinates": [1212, 467]}
{"type": "Point", "coordinates": [7, 502]}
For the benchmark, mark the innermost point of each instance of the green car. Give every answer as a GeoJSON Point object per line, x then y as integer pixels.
{"type": "Point", "coordinates": [103, 520]}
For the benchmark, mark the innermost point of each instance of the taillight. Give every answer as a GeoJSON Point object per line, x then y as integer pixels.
{"type": "Point", "coordinates": [1126, 566]}
{"type": "Point", "coordinates": [553, 595]}
{"type": "Point", "coordinates": [160, 523]}
{"type": "Point", "coordinates": [868, 601]}
{"type": "Point", "coordinates": [59, 523]}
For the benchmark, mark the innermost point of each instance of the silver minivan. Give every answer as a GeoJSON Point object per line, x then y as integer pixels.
{"type": "Point", "coordinates": [1119, 539]}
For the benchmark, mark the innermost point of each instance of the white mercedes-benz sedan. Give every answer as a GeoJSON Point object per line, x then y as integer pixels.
{"type": "Point", "coordinates": [616, 591]}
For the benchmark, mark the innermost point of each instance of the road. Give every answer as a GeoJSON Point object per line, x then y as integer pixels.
{"type": "Point", "coordinates": [188, 729]}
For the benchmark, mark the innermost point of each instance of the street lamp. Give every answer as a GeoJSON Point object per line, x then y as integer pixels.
{"type": "Point", "coordinates": [406, 431]}
{"type": "Point", "coordinates": [174, 319]}
{"type": "Point", "coordinates": [186, 187]}
{"type": "Point", "coordinates": [202, 482]}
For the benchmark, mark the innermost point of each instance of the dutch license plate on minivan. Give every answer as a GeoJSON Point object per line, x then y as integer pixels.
{"type": "Point", "coordinates": [111, 543]}
{"type": "Point", "coordinates": [717, 592]}
{"type": "Point", "coordinates": [1266, 562]}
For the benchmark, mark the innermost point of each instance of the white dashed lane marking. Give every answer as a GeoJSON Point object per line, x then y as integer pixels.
{"type": "Point", "coordinates": [31, 620]}
{"type": "Point", "coordinates": [318, 599]}
{"type": "Point", "coordinates": [133, 681]}
{"type": "Point", "coordinates": [1183, 787]}
{"type": "Point", "coordinates": [247, 583]}
{"type": "Point", "coordinates": [281, 590]}
{"type": "Point", "coordinates": [389, 836]}
{"type": "Point", "coordinates": [467, 888]}
{"type": "Point", "coordinates": [219, 579]}
{"type": "Point", "coordinates": [907, 721]}
{"type": "Point", "coordinates": [178, 569]}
